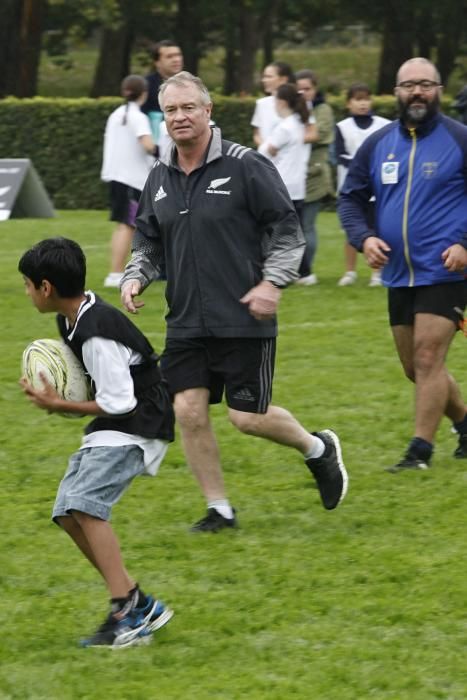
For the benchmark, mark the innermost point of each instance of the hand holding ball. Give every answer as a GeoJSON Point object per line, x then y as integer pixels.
{"type": "Point", "coordinates": [57, 363]}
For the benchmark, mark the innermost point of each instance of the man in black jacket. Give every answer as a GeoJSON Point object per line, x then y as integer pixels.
{"type": "Point", "coordinates": [218, 216]}
{"type": "Point", "coordinates": [168, 60]}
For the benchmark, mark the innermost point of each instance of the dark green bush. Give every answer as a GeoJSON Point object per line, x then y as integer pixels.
{"type": "Point", "coordinates": [63, 138]}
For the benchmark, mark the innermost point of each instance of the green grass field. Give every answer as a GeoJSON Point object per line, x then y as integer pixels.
{"type": "Point", "coordinates": [366, 602]}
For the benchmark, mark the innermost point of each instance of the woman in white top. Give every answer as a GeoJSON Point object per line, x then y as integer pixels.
{"type": "Point", "coordinates": [286, 146]}
{"type": "Point", "coordinates": [265, 117]}
{"type": "Point", "coordinates": [126, 164]}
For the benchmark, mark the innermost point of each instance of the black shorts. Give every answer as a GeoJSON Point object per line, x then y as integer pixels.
{"type": "Point", "coordinates": [123, 203]}
{"type": "Point", "coordinates": [243, 366]}
{"type": "Point", "coordinates": [437, 299]}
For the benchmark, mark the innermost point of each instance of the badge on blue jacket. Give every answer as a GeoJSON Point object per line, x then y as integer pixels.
{"type": "Point", "coordinates": [390, 173]}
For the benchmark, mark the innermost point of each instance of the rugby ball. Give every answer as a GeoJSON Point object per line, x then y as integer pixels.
{"type": "Point", "coordinates": [60, 367]}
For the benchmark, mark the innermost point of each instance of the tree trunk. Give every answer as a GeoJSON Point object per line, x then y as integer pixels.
{"type": "Point", "coordinates": [249, 41]}
{"type": "Point", "coordinates": [20, 46]}
{"type": "Point", "coordinates": [114, 60]}
{"type": "Point", "coordinates": [10, 20]}
{"type": "Point", "coordinates": [231, 54]}
{"type": "Point", "coordinates": [30, 47]}
{"type": "Point", "coordinates": [245, 24]}
{"type": "Point", "coordinates": [268, 45]}
{"type": "Point", "coordinates": [397, 43]}
{"type": "Point", "coordinates": [424, 35]}
{"type": "Point", "coordinates": [189, 33]}
{"type": "Point", "coordinates": [451, 23]}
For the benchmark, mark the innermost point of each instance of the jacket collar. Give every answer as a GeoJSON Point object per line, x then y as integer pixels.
{"type": "Point", "coordinates": [424, 128]}
{"type": "Point", "coordinates": [214, 150]}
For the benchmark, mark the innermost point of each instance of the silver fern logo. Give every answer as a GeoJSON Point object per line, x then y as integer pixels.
{"type": "Point", "coordinates": [215, 184]}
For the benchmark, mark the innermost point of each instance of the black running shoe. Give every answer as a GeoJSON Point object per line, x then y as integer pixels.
{"type": "Point", "coordinates": [118, 633]}
{"type": "Point", "coordinates": [461, 449]}
{"type": "Point", "coordinates": [329, 470]}
{"type": "Point", "coordinates": [213, 521]}
{"type": "Point", "coordinates": [409, 462]}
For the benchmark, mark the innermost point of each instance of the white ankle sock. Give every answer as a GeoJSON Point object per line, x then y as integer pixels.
{"type": "Point", "coordinates": [223, 507]}
{"type": "Point", "coordinates": [317, 449]}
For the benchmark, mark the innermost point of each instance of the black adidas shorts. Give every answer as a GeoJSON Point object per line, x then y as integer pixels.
{"type": "Point", "coordinates": [437, 299]}
{"type": "Point", "coordinates": [243, 367]}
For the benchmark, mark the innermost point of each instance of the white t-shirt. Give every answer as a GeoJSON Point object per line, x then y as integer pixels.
{"type": "Point", "coordinates": [164, 141]}
{"type": "Point", "coordinates": [293, 154]}
{"type": "Point", "coordinates": [108, 364]}
{"type": "Point", "coordinates": [265, 117]}
{"type": "Point", "coordinates": [353, 137]}
{"type": "Point", "coordinates": [125, 159]}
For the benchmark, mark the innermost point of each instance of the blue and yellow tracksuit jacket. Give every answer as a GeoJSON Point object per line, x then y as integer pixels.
{"type": "Point", "coordinates": [419, 179]}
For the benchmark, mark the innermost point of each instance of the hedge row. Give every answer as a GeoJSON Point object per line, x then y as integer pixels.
{"type": "Point", "coordinates": [63, 138]}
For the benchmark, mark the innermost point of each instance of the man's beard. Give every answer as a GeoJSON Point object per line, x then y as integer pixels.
{"type": "Point", "coordinates": [420, 113]}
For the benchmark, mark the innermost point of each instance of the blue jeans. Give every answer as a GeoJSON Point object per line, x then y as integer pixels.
{"type": "Point", "coordinates": [308, 214]}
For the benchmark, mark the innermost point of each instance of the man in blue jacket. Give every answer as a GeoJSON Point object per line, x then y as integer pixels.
{"type": "Point", "coordinates": [218, 215]}
{"type": "Point", "coordinates": [416, 167]}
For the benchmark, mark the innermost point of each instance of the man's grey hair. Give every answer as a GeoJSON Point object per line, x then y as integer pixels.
{"type": "Point", "coordinates": [419, 59]}
{"type": "Point", "coordinates": [183, 79]}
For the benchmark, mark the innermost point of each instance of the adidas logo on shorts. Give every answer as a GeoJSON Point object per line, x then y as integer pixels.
{"type": "Point", "coordinates": [244, 395]}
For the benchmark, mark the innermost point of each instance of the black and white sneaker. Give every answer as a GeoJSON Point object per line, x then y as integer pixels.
{"type": "Point", "coordinates": [213, 521]}
{"type": "Point", "coordinates": [329, 470]}
{"type": "Point", "coordinates": [409, 462]}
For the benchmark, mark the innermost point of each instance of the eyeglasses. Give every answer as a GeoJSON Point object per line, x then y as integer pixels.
{"type": "Point", "coordinates": [424, 85]}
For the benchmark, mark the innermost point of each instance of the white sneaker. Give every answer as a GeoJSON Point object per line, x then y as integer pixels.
{"type": "Point", "coordinates": [113, 279]}
{"type": "Point", "coordinates": [307, 281]}
{"type": "Point", "coordinates": [375, 280]}
{"type": "Point", "coordinates": [349, 278]}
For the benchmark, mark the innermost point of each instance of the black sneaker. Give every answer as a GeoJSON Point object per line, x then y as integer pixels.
{"type": "Point", "coordinates": [409, 461]}
{"type": "Point", "coordinates": [213, 521]}
{"type": "Point", "coordinates": [461, 449]}
{"type": "Point", "coordinates": [119, 632]}
{"type": "Point", "coordinates": [329, 470]}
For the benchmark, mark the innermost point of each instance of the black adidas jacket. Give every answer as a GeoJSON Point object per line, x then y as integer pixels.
{"type": "Point", "coordinates": [220, 231]}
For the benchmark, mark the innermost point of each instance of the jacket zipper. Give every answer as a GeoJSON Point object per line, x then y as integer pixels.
{"type": "Point", "coordinates": [405, 218]}
{"type": "Point", "coordinates": [187, 196]}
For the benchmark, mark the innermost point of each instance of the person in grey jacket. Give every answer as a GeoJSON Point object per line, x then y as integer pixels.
{"type": "Point", "coordinates": [218, 216]}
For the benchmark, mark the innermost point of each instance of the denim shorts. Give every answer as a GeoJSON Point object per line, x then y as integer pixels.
{"type": "Point", "coordinates": [96, 479]}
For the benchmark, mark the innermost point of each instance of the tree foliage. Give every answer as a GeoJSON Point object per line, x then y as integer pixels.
{"type": "Point", "coordinates": [429, 28]}
{"type": "Point", "coordinates": [124, 27]}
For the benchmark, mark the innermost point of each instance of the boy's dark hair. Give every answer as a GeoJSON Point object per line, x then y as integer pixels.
{"type": "Point", "coordinates": [358, 89]}
{"type": "Point", "coordinates": [58, 260]}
